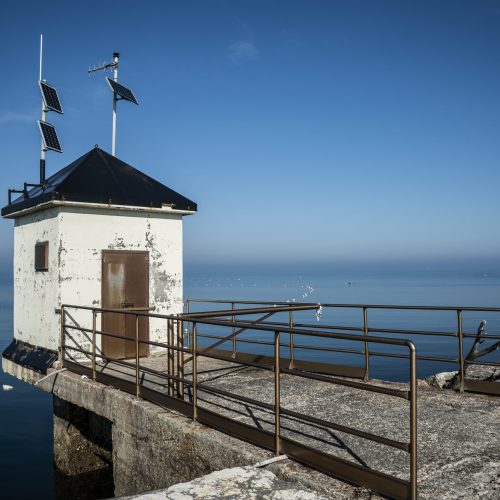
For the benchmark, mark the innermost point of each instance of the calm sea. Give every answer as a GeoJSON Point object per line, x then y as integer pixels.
{"type": "Point", "coordinates": [26, 413]}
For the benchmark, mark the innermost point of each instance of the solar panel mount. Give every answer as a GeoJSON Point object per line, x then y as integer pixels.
{"type": "Point", "coordinates": [50, 97]}
{"type": "Point", "coordinates": [49, 136]}
{"type": "Point", "coordinates": [123, 92]}
{"type": "Point", "coordinates": [120, 92]}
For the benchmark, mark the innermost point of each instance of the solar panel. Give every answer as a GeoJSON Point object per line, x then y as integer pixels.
{"type": "Point", "coordinates": [49, 136]}
{"type": "Point", "coordinates": [50, 97]}
{"type": "Point", "coordinates": [122, 91]}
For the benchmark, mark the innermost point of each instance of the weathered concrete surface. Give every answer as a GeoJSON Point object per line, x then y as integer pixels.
{"type": "Point", "coordinates": [239, 483]}
{"type": "Point", "coordinates": [82, 453]}
{"type": "Point", "coordinates": [155, 448]}
{"type": "Point", "coordinates": [458, 434]}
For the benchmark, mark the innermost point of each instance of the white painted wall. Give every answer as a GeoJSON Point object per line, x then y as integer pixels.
{"type": "Point", "coordinates": [76, 238]}
{"type": "Point", "coordinates": [36, 293]}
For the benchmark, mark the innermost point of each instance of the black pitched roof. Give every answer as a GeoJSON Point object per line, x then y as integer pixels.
{"type": "Point", "coordinates": [98, 177]}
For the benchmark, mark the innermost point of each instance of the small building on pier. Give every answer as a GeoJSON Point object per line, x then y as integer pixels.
{"type": "Point", "coordinates": [98, 233]}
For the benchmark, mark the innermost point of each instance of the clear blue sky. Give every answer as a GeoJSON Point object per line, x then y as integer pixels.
{"type": "Point", "coordinates": [305, 130]}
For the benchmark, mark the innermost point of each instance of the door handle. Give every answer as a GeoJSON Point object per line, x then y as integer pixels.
{"type": "Point", "coordinates": [125, 305]}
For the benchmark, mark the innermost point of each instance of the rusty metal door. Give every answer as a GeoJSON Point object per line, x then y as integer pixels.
{"type": "Point", "coordinates": [125, 284]}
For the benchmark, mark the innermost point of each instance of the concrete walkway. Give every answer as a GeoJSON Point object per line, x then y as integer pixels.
{"type": "Point", "coordinates": [458, 434]}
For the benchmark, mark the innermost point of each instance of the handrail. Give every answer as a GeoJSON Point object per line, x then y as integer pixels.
{"type": "Point", "coordinates": [350, 306]}
{"type": "Point", "coordinates": [239, 312]}
{"type": "Point", "coordinates": [378, 481]}
{"type": "Point", "coordinates": [233, 334]}
{"type": "Point", "coordinates": [366, 330]}
{"type": "Point", "coordinates": [335, 335]}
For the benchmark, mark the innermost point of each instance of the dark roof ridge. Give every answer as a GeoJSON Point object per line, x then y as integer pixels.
{"type": "Point", "coordinates": [101, 152]}
{"type": "Point", "coordinates": [98, 177]}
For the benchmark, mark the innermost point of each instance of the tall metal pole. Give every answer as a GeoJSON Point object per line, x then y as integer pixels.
{"type": "Point", "coordinates": [137, 378]}
{"type": "Point", "coordinates": [290, 325]}
{"type": "Point", "coordinates": [94, 323]}
{"type": "Point", "coordinates": [42, 147]}
{"type": "Point", "coordinates": [41, 54]}
{"type": "Point", "coordinates": [413, 421]}
{"type": "Point", "coordinates": [367, 352]}
{"type": "Point", "coordinates": [116, 55]}
{"type": "Point", "coordinates": [62, 339]}
{"type": "Point", "coordinates": [195, 373]}
{"type": "Point", "coordinates": [170, 354]}
{"type": "Point", "coordinates": [277, 393]}
{"type": "Point", "coordinates": [461, 372]}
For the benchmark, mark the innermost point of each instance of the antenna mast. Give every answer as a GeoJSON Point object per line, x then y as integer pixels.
{"type": "Point", "coordinates": [50, 140]}
{"type": "Point", "coordinates": [119, 92]}
{"type": "Point", "coordinates": [50, 102]}
{"type": "Point", "coordinates": [42, 147]}
{"type": "Point", "coordinates": [41, 53]}
{"type": "Point", "coordinates": [104, 67]}
{"type": "Point", "coordinates": [116, 55]}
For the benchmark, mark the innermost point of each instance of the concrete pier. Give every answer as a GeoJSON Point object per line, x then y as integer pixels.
{"type": "Point", "coordinates": [148, 447]}
{"type": "Point", "coordinates": [155, 448]}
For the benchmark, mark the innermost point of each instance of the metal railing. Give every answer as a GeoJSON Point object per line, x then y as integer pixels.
{"type": "Point", "coordinates": [464, 384]}
{"type": "Point", "coordinates": [175, 389]}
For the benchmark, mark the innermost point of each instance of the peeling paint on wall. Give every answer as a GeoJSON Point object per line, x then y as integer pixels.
{"type": "Point", "coordinates": [76, 238]}
{"type": "Point", "coordinates": [36, 293]}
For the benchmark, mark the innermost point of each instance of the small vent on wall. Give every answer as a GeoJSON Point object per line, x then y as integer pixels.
{"type": "Point", "coordinates": [42, 256]}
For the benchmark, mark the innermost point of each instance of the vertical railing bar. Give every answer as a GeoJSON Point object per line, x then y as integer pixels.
{"type": "Point", "coordinates": [176, 357]}
{"type": "Point", "coordinates": [170, 354]}
{"type": "Point", "coordinates": [180, 359]}
{"type": "Point", "coordinates": [290, 325]}
{"type": "Point", "coordinates": [195, 374]}
{"type": "Point", "coordinates": [233, 330]}
{"type": "Point", "coordinates": [413, 422]}
{"type": "Point", "coordinates": [461, 350]}
{"type": "Point", "coordinates": [367, 353]}
{"type": "Point", "coordinates": [62, 340]}
{"type": "Point", "coordinates": [188, 327]}
{"type": "Point", "coordinates": [277, 390]}
{"type": "Point", "coordinates": [94, 321]}
{"type": "Point", "coordinates": [137, 391]}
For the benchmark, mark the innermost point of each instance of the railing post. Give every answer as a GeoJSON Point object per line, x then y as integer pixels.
{"type": "Point", "coordinates": [137, 391]}
{"type": "Point", "coordinates": [290, 325]}
{"type": "Point", "coordinates": [180, 359]}
{"type": "Point", "coordinates": [367, 352]}
{"type": "Point", "coordinates": [195, 374]}
{"type": "Point", "coordinates": [62, 339]}
{"type": "Point", "coordinates": [233, 330]}
{"type": "Point", "coordinates": [94, 322]}
{"type": "Point", "coordinates": [188, 327]}
{"type": "Point", "coordinates": [413, 421]}
{"type": "Point", "coordinates": [170, 356]}
{"type": "Point", "coordinates": [461, 350]}
{"type": "Point", "coordinates": [277, 391]}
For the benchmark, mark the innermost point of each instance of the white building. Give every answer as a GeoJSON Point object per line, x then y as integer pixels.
{"type": "Point", "coordinates": [99, 233]}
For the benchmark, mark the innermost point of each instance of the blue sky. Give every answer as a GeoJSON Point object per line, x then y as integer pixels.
{"type": "Point", "coordinates": [305, 130]}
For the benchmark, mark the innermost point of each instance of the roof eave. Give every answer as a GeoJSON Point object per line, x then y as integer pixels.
{"type": "Point", "coordinates": [167, 210]}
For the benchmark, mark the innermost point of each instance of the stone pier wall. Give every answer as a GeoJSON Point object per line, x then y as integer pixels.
{"type": "Point", "coordinates": [83, 452]}
{"type": "Point", "coordinates": [150, 447]}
